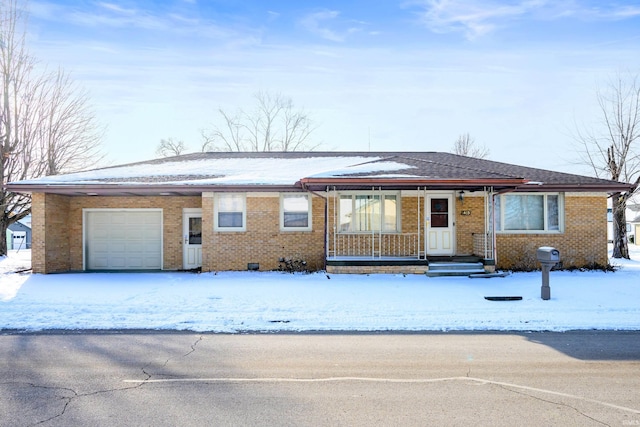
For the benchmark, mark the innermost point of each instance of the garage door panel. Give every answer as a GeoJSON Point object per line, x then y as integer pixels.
{"type": "Point", "coordinates": [117, 219]}
{"type": "Point", "coordinates": [117, 262]}
{"type": "Point", "coordinates": [123, 240]}
{"type": "Point", "coordinates": [101, 234]}
{"type": "Point", "coordinates": [135, 262]}
{"type": "Point", "coordinates": [150, 248]}
{"type": "Point", "coordinates": [151, 229]}
{"type": "Point", "coordinates": [100, 263]}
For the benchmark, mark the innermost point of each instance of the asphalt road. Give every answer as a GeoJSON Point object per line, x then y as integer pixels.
{"type": "Point", "coordinates": [187, 379]}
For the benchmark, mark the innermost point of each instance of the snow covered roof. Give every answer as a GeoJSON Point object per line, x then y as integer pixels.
{"type": "Point", "coordinates": [198, 172]}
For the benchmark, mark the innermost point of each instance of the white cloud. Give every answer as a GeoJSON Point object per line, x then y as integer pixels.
{"type": "Point", "coordinates": [314, 23]}
{"type": "Point", "coordinates": [327, 25]}
{"type": "Point", "coordinates": [476, 18]}
{"type": "Point", "coordinates": [110, 15]}
{"type": "Point", "coordinates": [473, 18]}
{"type": "Point", "coordinates": [117, 9]}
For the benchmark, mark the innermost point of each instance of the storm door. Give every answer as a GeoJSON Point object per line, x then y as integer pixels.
{"type": "Point", "coordinates": [192, 238]}
{"type": "Point", "coordinates": [439, 225]}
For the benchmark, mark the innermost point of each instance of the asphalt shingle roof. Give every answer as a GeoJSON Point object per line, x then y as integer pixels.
{"type": "Point", "coordinates": [216, 169]}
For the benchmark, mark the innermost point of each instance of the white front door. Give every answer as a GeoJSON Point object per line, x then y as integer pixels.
{"type": "Point", "coordinates": [192, 238]}
{"type": "Point", "coordinates": [439, 227]}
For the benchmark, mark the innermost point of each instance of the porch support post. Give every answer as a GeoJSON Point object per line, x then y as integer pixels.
{"type": "Point", "coordinates": [381, 222]}
{"type": "Point", "coordinates": [487, 196]}
{"type": "Point", "coordinates": [418, 220]}
{"type": "Point", "coordinates": [326, 228]}
{"type": "Point", "coordinates": [493, 227]}
{"type": "Point", "coordinates": [335, 222]}
{"type": "Point", "coordinates": [424, 220]}
{"type": "Point", "coordinates": [490, 224]}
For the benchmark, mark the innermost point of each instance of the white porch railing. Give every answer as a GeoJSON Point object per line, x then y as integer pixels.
{"type": "Point", "coordinates": [483, 245]}
{"type": "Point", "coordinates": [375, 245]}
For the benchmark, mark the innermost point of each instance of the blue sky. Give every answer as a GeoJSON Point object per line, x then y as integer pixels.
{"type": "Point", "coordinates": [380, 75]}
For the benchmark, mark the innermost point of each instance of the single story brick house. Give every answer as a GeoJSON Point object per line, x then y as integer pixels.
{"type": "Point", "coordinates": [345, 212]}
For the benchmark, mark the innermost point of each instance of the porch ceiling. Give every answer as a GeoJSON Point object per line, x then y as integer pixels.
{"type": "Point", "coordinates": [410, 184]}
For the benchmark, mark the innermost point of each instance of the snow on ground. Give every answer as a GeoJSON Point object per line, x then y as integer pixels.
{"type": "Point", "coordinates": [270, 301]}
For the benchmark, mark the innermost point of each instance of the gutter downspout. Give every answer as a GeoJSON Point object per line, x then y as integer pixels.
{"type": "Point", "coordinates": [326, 219]}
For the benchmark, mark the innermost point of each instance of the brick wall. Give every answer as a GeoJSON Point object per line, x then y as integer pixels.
{"type": "Point", "coordinates": [57, 227]}
{"type": "Point", "coordinates": [378, 269]}
{"type": "Point", "coordinates": [468, 225]}
{"type": "Point", "coordinates": [171, 217]}
{"type": "Point", "coordinates": [262, 242]}
{"type": "Point", "coordinates": [582, 243]}
{"type": "Point", "coordinates": [50, 233]}
{"type": "Point", "coordinates": [57, 232]}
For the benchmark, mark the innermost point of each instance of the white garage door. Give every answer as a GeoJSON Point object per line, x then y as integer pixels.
{"type": "Point", "coordinates": [123, 239]}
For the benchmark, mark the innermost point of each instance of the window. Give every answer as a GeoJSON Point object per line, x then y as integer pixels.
{"type": "Point", "coordinates": [361, 213]}
{"type": "Point", "coordinates": [229, 212]}
{"type": "Point", "coordinates": [295, 212]}
{"type": "Point", "coordinates": [526, 213]}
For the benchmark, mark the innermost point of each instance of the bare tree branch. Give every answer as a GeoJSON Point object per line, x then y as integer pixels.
{"type": "Point", "coordinates": [272, 125]}
{"type": "Point", "coordinates": [466, 146]}
{"type": "Point", "coordinates": [46, 126]}
{"type": "Point", "coordinates": [171, 147]}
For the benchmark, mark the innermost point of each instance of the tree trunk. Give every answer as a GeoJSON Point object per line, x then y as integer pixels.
{"type": "Point", "coordinates": [619, 207]}
{"type": "Point", "coordinates": [4, 225]}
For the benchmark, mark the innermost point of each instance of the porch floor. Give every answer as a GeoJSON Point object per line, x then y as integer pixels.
{"type": "Point", "coordinates": [352, 260]}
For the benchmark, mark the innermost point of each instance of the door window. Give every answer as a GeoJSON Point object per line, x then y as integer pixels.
{"type": "Point", "coordinates": [439, 213]}
{"type": "Point", "coordinates": [195, 231]}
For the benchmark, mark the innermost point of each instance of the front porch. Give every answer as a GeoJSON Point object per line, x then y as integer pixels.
{"type": "Point", "coordinates": [461, 265]}
{"type": "Point", "coordinates": [409, 232]}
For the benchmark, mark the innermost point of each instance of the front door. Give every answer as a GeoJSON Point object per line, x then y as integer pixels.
{"type": "Point", "coordinates": [439, 226]}
{"type": "Point", "coordinates": [192, 238]}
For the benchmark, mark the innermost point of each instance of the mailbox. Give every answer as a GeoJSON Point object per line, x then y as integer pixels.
{"type": "Point", "coordinates": [548, 254]}
{"type": "Point", "coordinates": [548, 257]}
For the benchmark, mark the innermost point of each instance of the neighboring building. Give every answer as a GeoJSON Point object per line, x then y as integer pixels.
{"type": "Point", "coordinates": [633, 223]}
{"type": "Point", "coordinates": [632, 216]}
{"type": "Point", "coordinates": [339, 211]}
{"type": "Point", "coordinates": [19, 235]}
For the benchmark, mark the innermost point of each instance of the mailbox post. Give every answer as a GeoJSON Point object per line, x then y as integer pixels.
{"type": "Point", "coordinates": [548, 257]}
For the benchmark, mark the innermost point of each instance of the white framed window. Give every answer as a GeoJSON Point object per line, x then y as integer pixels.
{"type": "Point", "coordinates": [230, 212]}
{"type": "Point", "coordinates": [530, 213]}
{"type": "Point", "coordinates": [295, 212]}
{"type": "Point", "coordinates": [365, 213]}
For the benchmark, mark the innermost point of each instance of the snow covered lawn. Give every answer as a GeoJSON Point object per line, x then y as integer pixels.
{"type": "Point", "coordinates": [269, 301]}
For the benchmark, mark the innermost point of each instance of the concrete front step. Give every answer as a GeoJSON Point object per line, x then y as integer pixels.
{"type": "Point", "coordinates": [438, 269]}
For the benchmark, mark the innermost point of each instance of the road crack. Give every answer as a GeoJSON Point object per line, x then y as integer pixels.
{"type": "Point", "coordinates": [553, 402]}
{"type": "Point", "coordinates": [149, 375]}
{"type": "Point", "coordinates": [73, 394]}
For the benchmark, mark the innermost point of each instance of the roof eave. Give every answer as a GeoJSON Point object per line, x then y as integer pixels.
{"type": "Point", "coordinates": [411, 182]}
{"type": "Point", "coordinates": [142, 189]}
{"type": "Point", "coordinates": [593, 187]}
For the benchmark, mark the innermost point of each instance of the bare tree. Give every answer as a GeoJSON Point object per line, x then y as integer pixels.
{"type": "Point", "coordinates": [70, 138]}
{"type": "Point", "coordinates": [273, 125]}
{"type": "Point", "coordinates": [612, 147]}
{"type": "Point", "coordinates": [46, 126]}
{"type": "Point", "coordinates": [171, 147]}
{"type": "Point", "coordinates": [466, 146]}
